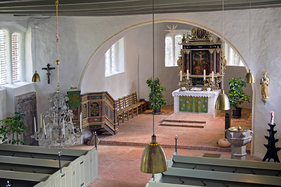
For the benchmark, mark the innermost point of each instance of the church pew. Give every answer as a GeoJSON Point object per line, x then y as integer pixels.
{"type": "Point", "coordinates": [226, 165]}
{"type": "Point", "coordinates": [24, 176]}
{"type": "Point", "coordinates": [217, 178]}
{"type": "Point", "coordinates": [19, 163]}
{"type": "Point", "coordinates": [39, 152]}
{"type": "Point", "coordinates": [32, 161]}
{"type": "Point", "coordinates": [202, 171]}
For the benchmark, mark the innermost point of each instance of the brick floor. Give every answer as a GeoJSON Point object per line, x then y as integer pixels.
{"type": "Point", "coordinates": [120, 155]}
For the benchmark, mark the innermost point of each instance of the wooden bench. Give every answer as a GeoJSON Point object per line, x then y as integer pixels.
{"type": "Point", "coordinates": [128, 106]}
{"type": "Point", "coordinates": [217, 178]}
{"type": "Point", "coordinates": [226, 165]}
{"type": "Point", "coordinates": [202, 171]}
{"type": "Point", "coordinates": [25, 166]}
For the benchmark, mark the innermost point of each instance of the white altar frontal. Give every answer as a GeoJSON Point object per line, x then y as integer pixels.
{"type": "Point", "coordinates": [195, 101]}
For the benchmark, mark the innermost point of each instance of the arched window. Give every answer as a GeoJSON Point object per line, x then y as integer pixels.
{"type": "Point", "coordinates": [232, 58]}
{"type": "Point", "coordinates": [114, 58]}
{"type": "Point", "coordinates": [10, 57]}
{"type": "Point", "coordinates": [172, 47]}
{"type": "Point", "coordinates": [4, 54]}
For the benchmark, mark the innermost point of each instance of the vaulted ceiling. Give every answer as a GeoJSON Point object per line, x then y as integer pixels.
{"type": "Point", "coordinates": [125, 7]}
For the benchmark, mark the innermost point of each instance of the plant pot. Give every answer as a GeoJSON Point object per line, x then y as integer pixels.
{"type": "Point", "coordinates": [157, 111]}
{"type": "Point", "coordinates": [236, 113]}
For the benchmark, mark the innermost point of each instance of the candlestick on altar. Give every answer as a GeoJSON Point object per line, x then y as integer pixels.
{"type": "Point", "coordinates": [272, 118]}
{"type": "Point", "coordinates": [41, 121]}
{"type": "Point", "coordinates": [213, 77]}
{"type": "Point", "coordinates": [180, 75]}
{"type": "Point", "coordinates": [35, 125]}
{"type": "Point", "coordinates": [187, 74]}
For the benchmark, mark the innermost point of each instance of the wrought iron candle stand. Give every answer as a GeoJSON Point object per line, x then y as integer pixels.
{"type": "Point", "coordinates": [271, 146]}
{"type": "Point", "coordinates": [59, 129]}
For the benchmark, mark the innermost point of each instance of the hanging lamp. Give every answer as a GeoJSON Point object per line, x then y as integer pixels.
{"type": "Point", "coordinates": [153, 158]}
{"type": "Point", "coordinates": [35, 77]}
{"type": "Point", "coordinates": [222, 102]}
{"type": "Point", "coordinates": [249, 76]}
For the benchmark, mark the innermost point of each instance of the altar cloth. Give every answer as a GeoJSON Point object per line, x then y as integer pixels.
{"type": "Point", "coordinates": [211, 95]}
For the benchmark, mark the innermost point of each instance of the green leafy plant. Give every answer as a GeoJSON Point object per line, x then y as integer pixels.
{"type": "Point", "coordinates": [236, 93]}
{"type": "Point", "coordinates": [155, 96]}
{"type": "Point", "coordinates": [11, 128]}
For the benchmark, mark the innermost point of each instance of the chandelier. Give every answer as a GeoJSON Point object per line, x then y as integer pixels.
{"type": "Point", "coordinates": [56, 127]}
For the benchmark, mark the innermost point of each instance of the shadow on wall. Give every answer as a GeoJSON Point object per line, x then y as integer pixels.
{"type": "Point", "coordinates": [236, 72]}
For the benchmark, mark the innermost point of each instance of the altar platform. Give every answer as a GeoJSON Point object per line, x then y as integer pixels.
{"type": "Point", "coordinates": [184, 119]}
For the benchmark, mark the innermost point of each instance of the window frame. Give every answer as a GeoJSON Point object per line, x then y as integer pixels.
{"type": "Point", "coordinates": [231, 56]}
{"type": "Point", "coordinates": [114, 58]}
{"type": "Point", "coordinates": [9, 58]}
{"type": "Point", "coordinates": [173, 34]}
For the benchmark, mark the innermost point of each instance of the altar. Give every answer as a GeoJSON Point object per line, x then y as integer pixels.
{"type": "Point", "coordinates": [195, 101]}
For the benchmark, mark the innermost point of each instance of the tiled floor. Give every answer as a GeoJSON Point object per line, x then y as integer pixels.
{"type": "Point", "coordinates": [120, 155]}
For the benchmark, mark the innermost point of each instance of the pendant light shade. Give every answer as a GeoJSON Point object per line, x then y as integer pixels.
{"type": "Point", "coordinates": [35, 77]}
{"type": "Point", "coordinates": [250, 78]}
{"type": "Point", "coordinates": [153, 158]}
{"type": "Point", "coordinates": [222, 102]}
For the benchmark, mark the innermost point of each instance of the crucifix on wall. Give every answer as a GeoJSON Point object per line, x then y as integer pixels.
{"type": "Point", "coordinates": [48, 69]}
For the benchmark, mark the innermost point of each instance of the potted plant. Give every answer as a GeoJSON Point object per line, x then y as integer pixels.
{"type": "Point", "coordinates": [237, 95]}
{"type": "Point", "coordinates": [155, 96]}
{"type": "Point", "coordinates": [11, 128]}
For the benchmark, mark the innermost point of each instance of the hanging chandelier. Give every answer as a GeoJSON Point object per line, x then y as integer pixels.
{"type": "Point", "coordinates": [153, 158]}
{"type": "Point", "coordinates": [56, 127]}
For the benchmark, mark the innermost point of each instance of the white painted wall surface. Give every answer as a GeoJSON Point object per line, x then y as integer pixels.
{"type": "Point", "coordinates": [80, 38]}
{"type": "Point", "coordinates": [3, 109]}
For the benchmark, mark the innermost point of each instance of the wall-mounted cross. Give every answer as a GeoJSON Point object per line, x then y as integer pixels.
{"type": "Point", "coordinates": [48, 69]}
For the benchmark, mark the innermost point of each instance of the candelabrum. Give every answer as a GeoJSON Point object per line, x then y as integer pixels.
{"type": "Point", "coordinates": [204, 85]}
{"type": "Point", "coordinates": [56, 127]}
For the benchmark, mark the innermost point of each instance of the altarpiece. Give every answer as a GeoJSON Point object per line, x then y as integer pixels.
{"type": "Point", "coordinates": [201, 64]}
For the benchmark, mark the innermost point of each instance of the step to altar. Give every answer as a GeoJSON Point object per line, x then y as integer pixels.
{"type": "Point", "coordinates": [183, 119]}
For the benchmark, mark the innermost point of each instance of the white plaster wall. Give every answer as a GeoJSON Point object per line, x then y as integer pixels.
{"type": "Point", "coordinates": [80, 38]}
{"type": "Point", "coordinates": [3, 109]}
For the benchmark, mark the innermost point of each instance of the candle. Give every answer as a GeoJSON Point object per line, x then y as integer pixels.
{"type": "Point", "coordinates": [63, 127]}
{"type": "Point", "coordinates": [34, 124]}
{"type": "Point", "coordinates": [81, 121]}
{"type": "Point", "coordinates": [180, 75]}
{"type": "Point", "coordinates": [187, 74]}
{"type": "Point", "coordinates": [71, 119]}
{"type": "Point", "coordinates": [41, 121]}
{"type": "Point", "coordinates": [272, 118]}
{"type": "Point", "coordinates": [204, 74]}
{"type": "Point", "coordinates": [213, 77]}
{"type": "Point", "coordinates": [44, 127]}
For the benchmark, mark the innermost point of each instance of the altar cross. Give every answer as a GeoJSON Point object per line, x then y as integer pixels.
{"type": "Point", "coordinates": [48, 69]}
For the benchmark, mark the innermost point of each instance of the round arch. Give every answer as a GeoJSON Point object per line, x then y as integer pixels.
{"type": "Point", "coordinates": [112, 39]}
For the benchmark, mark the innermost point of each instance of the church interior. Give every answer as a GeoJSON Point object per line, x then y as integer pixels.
{"type": "Point", "coordinates": [153, 93]}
